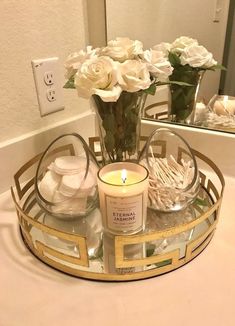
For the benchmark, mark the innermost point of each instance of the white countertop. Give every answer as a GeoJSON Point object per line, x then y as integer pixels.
{"type": "Point", "coordinates": [199, 293]}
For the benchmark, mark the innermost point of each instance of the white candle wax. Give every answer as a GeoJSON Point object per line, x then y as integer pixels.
{"type": "Point", "coordinates": [123, 200]}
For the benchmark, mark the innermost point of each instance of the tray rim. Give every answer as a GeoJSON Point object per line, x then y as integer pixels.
{"type": "Point", "coordinates": [193, 248]}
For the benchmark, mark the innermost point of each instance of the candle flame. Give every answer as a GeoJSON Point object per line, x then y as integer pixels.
{"type": "Point", "coordinates": [124, 175]}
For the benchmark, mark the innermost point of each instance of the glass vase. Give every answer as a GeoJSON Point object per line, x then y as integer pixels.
{"type": "Point", "coordinates": [119, 126]}
{"type": "Point", "coordinates": [183, 98]}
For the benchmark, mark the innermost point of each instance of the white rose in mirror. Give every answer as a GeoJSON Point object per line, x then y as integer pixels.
{"type": "Point", "coordinates": [181, 43]}
{"type": "Point", "coordinates": [158, 64]}
{"type": "Point", "coordinates": [98, 76]}
{"type": "Point", "coordinates": [134, 76]}
{"type": "Point", "coordinates": [164, 47]}
{"type": "Point", "coordinates": [74, 60]}
{"type": "Point", "coordinates": [197, 56]}
{"type": "Point", "coordinates": [122, 49]}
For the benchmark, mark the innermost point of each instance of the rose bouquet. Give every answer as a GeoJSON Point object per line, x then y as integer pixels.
{"type": "Point", "coordinates": [190, 61]}
{"type": "Point", "coordinates": [118, 77]}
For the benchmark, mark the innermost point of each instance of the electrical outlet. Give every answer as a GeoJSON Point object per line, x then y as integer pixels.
{"type": "Point", "coordinates": [49, 78]}
{"type": "Point", "coordinates": [48, 82]}
{"type": "Point", "coordinates": [51, 94]}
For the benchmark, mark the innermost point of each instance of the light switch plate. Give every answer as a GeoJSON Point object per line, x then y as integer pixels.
{"type": "Point", "coordinates": [48, 82]}
{"type": "Point", "coordinates": [218, 11]}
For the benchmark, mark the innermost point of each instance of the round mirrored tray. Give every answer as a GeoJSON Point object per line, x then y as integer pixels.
{"type": "Point", "coordinates": [79, 246]}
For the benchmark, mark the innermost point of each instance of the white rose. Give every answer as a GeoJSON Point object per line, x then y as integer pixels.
{"type": "Point", "coordinates": [158, 64]}
{"type": "Point", "coordinates": [164, 47]}
{"type": "Point", "coordinates": [134, 76]}
{"type": "Point", "coordinates": [98, 76]}
{"type": "Point", "coordinates": [181, 43]}
{"type": "Point", "coordinates": [75, 60]}
{"type": "Point", "coordinates": [122, 49]}
{"type": "Point", "coordinates": [197, 56]}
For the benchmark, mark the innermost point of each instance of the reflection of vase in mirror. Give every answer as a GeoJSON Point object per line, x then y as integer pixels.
{"type": "Point", "coordinates": [183, 98]}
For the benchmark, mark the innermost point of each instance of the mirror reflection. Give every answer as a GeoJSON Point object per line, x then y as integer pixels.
{"type": "Point", "coordinates": [212, 24]}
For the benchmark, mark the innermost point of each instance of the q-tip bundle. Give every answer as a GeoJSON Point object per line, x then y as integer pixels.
{"type": "Point", "coordinates": [167, 181]}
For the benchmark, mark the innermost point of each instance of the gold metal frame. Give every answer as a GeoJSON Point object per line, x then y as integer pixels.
{"type": "Point", "coordinates": [75, 265]}
{"type": "Point", "coordinates": [156, 115]}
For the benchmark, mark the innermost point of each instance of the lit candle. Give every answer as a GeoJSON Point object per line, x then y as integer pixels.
{"type": "Point", "coordinates": [225, 106]}
{"type": "Point", "coordinates": [124, 176]}
{"type": "Point", "coordinates": [123, 192]}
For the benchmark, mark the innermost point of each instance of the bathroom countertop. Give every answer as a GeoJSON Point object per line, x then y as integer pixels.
{"type": "Point", "coordinates": [200, 293]}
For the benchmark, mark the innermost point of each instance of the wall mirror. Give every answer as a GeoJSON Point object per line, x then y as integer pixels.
{"type": "Point", "coordinates": [212, 23]}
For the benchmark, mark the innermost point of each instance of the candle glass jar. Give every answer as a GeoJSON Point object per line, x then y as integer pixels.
{"type": "Point", "coordinates": [65, 181]}
{"type": "Point", "coordinates": [221, 112]}
{"type": "Point", "coordinates": [222, 105]}
{"type": "Point", "coordinates": [123, 197]}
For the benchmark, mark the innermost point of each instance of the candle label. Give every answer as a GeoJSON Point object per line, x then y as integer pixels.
{"type": "Point", "coordinates": [124, 213]}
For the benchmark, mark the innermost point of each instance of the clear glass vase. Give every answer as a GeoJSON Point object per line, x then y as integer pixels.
{"type": "Point", "coordinates": [183, 98]}
{"type": "Point", "coordinates": [119, 126]}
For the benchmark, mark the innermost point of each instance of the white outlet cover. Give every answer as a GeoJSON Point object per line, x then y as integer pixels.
{"type": "Point", "coordinates": [40, 68]}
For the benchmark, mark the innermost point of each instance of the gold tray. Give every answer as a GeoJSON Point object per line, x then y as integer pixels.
{"type": "Point", "coordinates": [169, 241]}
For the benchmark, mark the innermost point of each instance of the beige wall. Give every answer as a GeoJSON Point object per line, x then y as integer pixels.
{"type": "Point", "coordinates": [32, 29]}
{"type": "Point", "coordinates": [155, 21]}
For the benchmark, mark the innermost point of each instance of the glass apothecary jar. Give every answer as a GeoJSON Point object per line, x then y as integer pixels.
{"type": "Point", "coordinates": [65, 182]}
{"type": "Point", "coordinates": [173, 172]}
